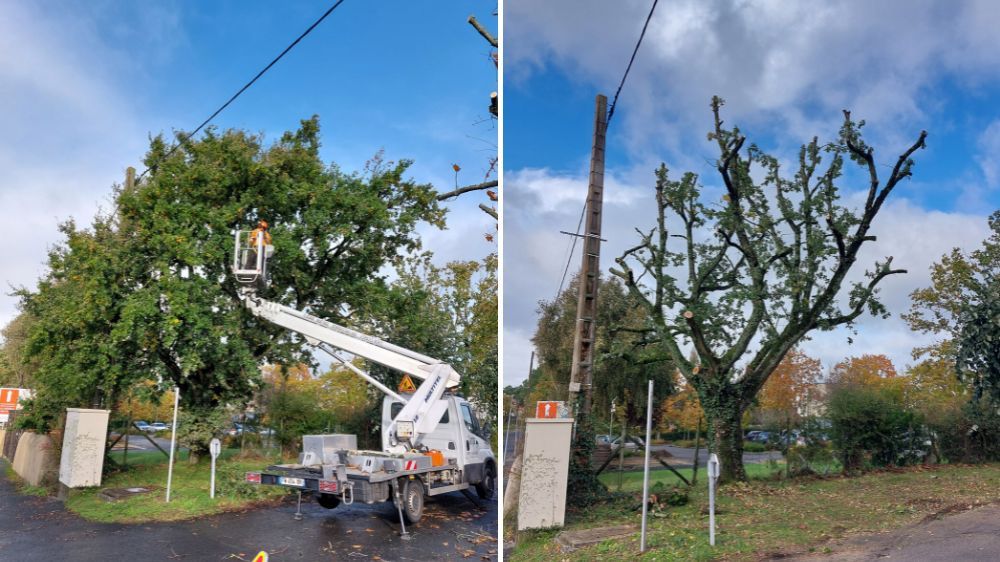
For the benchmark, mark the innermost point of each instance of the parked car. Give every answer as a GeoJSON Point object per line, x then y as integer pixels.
{"type": "Point", "coordinates": [603, 439]}
{"type": "Point", "coordinates": [237, 429]}
{"type": "Point", "coordinates": [159, 426]}
{"type": "Point", "coordinates": [141, 425]}
{"type": "Point", "coordinates": [752, 435]}
{"type": "Point", "coordinates": [762, 437]}
{"type": "Point", "coordinates": [629, 445]}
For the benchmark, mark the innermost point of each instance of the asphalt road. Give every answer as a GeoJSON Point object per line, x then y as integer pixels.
{"type": "Point", "coordinates": [40, 529]}
{"type": "Point", "coordinates": [971, 536]}
{"type": "Point", "coordinates": [684, 457]}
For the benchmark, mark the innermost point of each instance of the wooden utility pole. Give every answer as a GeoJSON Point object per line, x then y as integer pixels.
{"type": "Point", "coordinates": [581, 374]}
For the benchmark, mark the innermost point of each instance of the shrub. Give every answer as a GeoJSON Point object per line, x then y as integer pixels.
{"type": "Point", "coordinates": [870, 426]}
{"type": "Point", "coordinates": [971, 434]}
{"type": "Point", "coordinates": [662, 495]}
{"type": "Point", "coordinates": [754, 447]}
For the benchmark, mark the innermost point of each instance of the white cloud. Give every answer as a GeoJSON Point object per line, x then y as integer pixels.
{"type": "Point", "coordinates": [536, 255]}
{"type": "Point", "coordinates": [69, 130]}
{"type": "Point", "coordinates": [788, 66]}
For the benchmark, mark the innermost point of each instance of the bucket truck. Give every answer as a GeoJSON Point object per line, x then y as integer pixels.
{"type": "Point", "coordinates": [432, 442]}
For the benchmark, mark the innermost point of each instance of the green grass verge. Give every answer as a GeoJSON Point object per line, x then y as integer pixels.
{"type": "Point", "coordinates": [189, 496]}
{"type": "Point", "coordinates": [21, 486]}
{"type": "Point", "coordinates": [632, 481]}
{"type": "Point", "coordinates": [777, 516]}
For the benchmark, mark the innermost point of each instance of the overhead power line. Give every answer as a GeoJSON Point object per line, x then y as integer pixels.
{"type": "Point", "coordinates": [611, 112]}
{"type": "Point", "coordinates": [251, 82]}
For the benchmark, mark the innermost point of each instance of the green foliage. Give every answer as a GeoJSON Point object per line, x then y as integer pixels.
{"type": "Point", "coordinates": [16, 369]}
{"type": "Point", "coordinates": [145, 293]}
{"type": "Point", "coordinates": [623, 360]}
{"type": "Point", "coordinates": [662, 494]}
{"type": "Point", "coordinates": [451, 313]}
{"type": "Point", "coordinates": [230, 482]}
{"type": "Point", "coordinates": [978, 359]}
{"type": "Point", "coordinates": [760, 264]}
{"type": "Point", "coordinates": [957, 279]}
{"type": "Point", "coordinates": [196, 427]}
{"type": "Point", "coordinates": [295, 411]}
{"type": "Point", "coordinates": [971, 434]}
{"type": "Point", "coordinates": [584, 488]}
{"type": "Point", "coordinates": [754, 447]}
{"type": "Point", "coordinates": [871, 427]}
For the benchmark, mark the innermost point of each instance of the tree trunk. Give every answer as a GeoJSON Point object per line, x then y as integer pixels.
{"type": "Point", "coordinates": [725, 421]}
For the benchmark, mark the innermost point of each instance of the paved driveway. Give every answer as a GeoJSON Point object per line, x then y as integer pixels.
{"type": "Point", "coordinates": [971, 536]}
{"type": "Point", "coordinates": [39, 529]}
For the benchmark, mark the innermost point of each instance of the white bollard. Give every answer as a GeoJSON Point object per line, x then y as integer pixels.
{"type": "Point", "coordinates": [173, 441]}
{"type": "Point", "coordinates": [713, 475]}
{"type": "Point", "coordinates": [214, 447]}
{"type": "Point", "coordinates": [645, 474]}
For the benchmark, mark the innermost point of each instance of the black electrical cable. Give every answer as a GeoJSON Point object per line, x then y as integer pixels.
{"type": "Point", "coordinates": [250, 83]}
{"type": "Point", "coordinates": [611, 111]}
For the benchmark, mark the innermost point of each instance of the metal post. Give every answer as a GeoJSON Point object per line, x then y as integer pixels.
{"type": "Point", "coordinates": [173, 441]}
{"type": "Point", "coordinates": [128, 423]}
{"type": "Point", "coordinates": [621, 455]}
{"type": "Point", "coordinates": [645, 474]}
{"type": "Point", "coordinates": [713, 475]}
{"type": "Point", "coordinates": [215, 448]}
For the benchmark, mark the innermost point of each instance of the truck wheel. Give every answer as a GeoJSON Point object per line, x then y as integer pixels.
{"type": "Point", "coordinates": [413, 500]}
{"type": "Point", "coordinates": [487, 487]}
{"type": "Point", "coordinates": [328, 501]}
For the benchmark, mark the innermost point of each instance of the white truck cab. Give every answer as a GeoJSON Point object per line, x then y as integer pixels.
{"type": "Point", "coordinates": [459, 436]}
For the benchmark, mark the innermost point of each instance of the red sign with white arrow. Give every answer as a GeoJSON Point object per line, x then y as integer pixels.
{"type": "Point", "coordinates": [547, 409]}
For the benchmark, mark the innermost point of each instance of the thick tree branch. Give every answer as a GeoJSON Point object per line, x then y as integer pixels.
{"type": "Point", "coordinates": [482, 31]}
{"type": "Point", "coordinates": [489, 211]}
{"type": "Point", "coordinates": [466, 189]}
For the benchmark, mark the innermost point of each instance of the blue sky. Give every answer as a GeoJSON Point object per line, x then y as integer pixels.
{"type": "Point", "coordinates": [85, 84]}
{"type": "Point", "coordinates": [786, 71]}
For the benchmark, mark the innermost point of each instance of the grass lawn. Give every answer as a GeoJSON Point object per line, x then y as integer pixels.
{"type": "Point", "coordinates": [189, 495]}
{"type": "Point", "coordinates": [632, 481]}
{"type": "Point", "coordinates": [775, 516]}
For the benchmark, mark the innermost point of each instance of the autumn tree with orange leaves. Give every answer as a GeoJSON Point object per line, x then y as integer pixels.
{"type": "Point", "coordinates": [867, 370]}
{"type": "Point", "coordinates": [790, 388]}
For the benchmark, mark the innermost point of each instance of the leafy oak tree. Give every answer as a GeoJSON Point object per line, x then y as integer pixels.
{"type": "Point", "coordinates": [751, 275]}
{"type": "Point", "coordinates": [450, 313]}
{"type": "Point", "coordinates": [146, 293]}
{"type": "Point", "coordinates": [957, 279]}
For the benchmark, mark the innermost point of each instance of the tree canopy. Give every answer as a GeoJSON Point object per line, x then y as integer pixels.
{"type": "Point", "coordinates": [744, 277]}
{"type": "Point", "coordinates": [145, 292]}
{"type": "Point", "coordinates": [623, 361]}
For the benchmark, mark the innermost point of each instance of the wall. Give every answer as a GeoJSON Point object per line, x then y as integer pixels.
{"type": "Point", "coordinates": [34, 460]}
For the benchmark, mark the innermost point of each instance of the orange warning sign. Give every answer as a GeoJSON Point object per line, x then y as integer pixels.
{"type": "Point", "coordinates": [261, 557]}
{"type": "Point", "coordinates": [547, 409]}
{"type": "Point", "coordinates": [8, 398]}
{"type": "Point", "coordinates": [406, 385]}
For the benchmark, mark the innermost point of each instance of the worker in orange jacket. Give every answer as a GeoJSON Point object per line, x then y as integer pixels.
{"type": "Point", "coordinates": [253, 240]}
